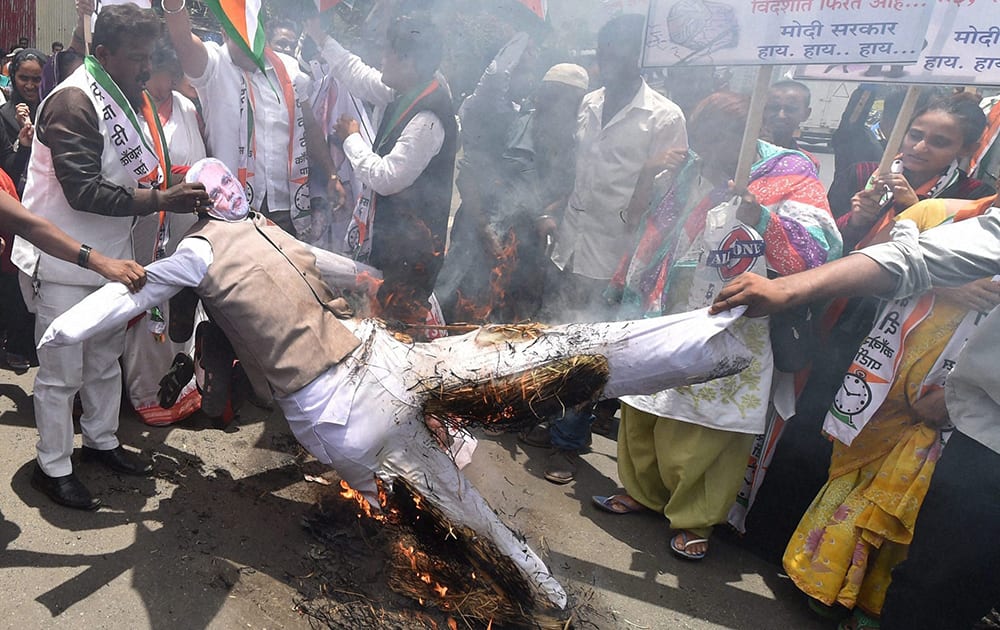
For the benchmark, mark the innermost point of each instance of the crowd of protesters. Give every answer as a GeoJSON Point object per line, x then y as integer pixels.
{"type": "Point", "coordinates": [583, 195]}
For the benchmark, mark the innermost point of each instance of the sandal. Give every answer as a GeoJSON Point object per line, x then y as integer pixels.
{"type": "Point", "coordinates": [682, 551]}
{"type": "Point", "coordinates": [618, 504]}
{"type": "Point", "coordinates": [860, 620]}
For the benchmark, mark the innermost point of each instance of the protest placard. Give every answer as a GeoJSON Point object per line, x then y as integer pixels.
{"type": "Point", "coordinates": [962, 47]}
{"type": "Point", "coordinates": [778, 32]}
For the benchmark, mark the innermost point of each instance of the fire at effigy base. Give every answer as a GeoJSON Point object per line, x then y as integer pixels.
{"type": "Point", "coordinates": [456, 570]}
{"type": "Point", "coordinates": [449, 567]}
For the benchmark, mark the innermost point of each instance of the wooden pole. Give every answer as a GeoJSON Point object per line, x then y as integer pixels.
{"type": "Point", "coordinates": [748, 150]}
{"type": "Point", "coordinates": [87, 34]}
{"type": "Point", "coordinates": [899, 129]}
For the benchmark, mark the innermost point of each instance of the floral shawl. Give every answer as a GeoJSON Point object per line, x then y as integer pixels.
{"type": "Point", "coordinates": [798, 229]}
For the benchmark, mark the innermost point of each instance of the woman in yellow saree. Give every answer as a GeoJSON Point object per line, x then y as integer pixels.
{"type": "Point", "coordinates": [860, 524]}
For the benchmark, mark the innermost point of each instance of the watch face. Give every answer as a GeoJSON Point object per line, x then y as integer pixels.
{"type": "Point", "coordinates": [301, 200]}
{"type": "Point", "coordinates": [854, 395]}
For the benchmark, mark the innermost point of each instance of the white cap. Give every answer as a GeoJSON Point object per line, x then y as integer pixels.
{"type": "Point", "coordinates": [568, 74]}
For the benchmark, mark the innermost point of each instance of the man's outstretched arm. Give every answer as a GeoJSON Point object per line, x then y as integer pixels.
{"type": "Point", "coordinates": [112, 306]}
{"type": "Point", "coordinates": [50, 239]}
{"type": "Point", "coordinates": [191, 51]}
{"type": "Point", "coordinates": [854, 275]}
{"type": "Point", "coordinates": [910, 264]}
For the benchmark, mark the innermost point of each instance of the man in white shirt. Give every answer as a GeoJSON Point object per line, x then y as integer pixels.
{"type": "Point", "coordinates": [93, 169]}
{"type": "Point", "coordinates": [253, 119]}
{"type": "Point", "coordinates": [623, 127]}
{"type": "Point", "coordinates": [401, 220]}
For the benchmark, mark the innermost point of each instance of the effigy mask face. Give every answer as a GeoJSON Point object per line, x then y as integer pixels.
{"type": "Point", "coordinates": [229, 200]}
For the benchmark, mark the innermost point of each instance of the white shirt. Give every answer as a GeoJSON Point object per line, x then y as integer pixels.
{"type": "Point", "coordinates": [186, 267]}
{"type": "Point", "coordinates": [219, 90]}
{"type": "Point", "coordinates": [420, 141]}
{"type": "Point", "coordinates": [608, 161]}
{"type": "Point", "coordinates": [184, 141]}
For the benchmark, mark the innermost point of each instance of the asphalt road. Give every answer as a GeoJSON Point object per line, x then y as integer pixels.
{"type": "Point", "coordinates": [214, 541]}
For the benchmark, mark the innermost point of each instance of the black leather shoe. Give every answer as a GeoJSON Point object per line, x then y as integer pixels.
{"type": "Point", "coordinates": [65, 490]}
{"type": "Point", "coordinates": [118, 460]}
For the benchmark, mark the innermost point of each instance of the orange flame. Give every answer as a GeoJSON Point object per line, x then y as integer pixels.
{"type": "Point", "coordinates": [410, 552]}
{"type": "Point", "coordinates": [468, 310]}
{"type": "Point", "coordinates": [365, 508]}
{"type": "Point", "coordinates": [423, 576]}
{"type": "Point", "coordinates": [367, 283]}
{"type": "Point", "coordinates": [474, 311]}
{"type": "Point", "coordinates": [500, 275]}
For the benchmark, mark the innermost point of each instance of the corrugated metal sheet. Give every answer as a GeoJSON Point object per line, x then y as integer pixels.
{"type": "Point", "coordinates": [55, 21]}
{"type": "Point", "coordinates": [17, 20]}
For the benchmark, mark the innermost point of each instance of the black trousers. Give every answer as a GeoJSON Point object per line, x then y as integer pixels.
{"type": "Point", "coordinates": [950, 579]}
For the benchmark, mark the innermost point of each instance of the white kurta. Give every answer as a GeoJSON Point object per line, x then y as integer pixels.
{"type": "Point", "coordinates": [219, 90]}
{"type": "Point", "coordinates": [421, 138]}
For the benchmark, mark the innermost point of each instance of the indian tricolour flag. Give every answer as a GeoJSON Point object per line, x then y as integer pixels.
{"type": "Point", "coordinates": [325, 5]}
{"type": "Point", "coordinates": [538, 7]}
{"type": "Point", "coordinates": [243, 21]}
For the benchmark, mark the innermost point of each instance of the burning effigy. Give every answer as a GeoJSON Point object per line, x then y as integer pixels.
{"type": "Point", "coordinates": [503, 376]}
{"type": "Point", "coordinates": [371, 413]}
{"type": "Point", "coordinates": [369, 417]}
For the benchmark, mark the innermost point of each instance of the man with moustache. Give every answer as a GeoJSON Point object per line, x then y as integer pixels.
{"type": "Point", "coordinates": [94, 166]}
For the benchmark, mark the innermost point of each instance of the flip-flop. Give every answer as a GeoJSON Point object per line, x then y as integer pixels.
{"type": "Point", "coordinates": [615, 505]}
{"type": "Point", "coordinates": [683, 552]}
{"type": "Point", "coordinates": [859, 620]}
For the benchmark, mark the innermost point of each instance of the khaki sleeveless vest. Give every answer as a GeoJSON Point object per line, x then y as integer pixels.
{"type": "Point", "coordinates": [264, 290]}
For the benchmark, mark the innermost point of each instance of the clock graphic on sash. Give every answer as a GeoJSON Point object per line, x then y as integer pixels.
{"type": "Point", "coordinates": [853, 397]}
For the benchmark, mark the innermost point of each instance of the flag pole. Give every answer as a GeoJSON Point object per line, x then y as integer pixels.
{"type": "Point", "coordinates": [87, 34]}
{"type": "Point", "coordinates": [755, 118]}
{"type": "Point", "coordinates": [899, 128]}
